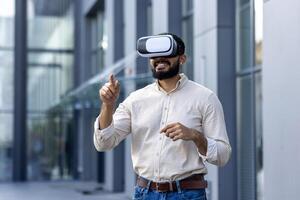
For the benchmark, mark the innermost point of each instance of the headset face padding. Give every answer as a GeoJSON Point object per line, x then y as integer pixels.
{"type": "Point", "coordinates": [157, 46]}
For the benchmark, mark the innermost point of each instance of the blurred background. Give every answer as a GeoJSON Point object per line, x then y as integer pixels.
{"type": "Point", "coordinates": [55, 54]}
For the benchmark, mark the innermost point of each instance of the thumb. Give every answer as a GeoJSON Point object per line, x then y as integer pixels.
{"type": "Point", "coordinates": [117, 84]}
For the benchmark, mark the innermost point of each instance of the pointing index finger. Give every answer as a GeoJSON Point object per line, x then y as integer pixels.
{"type": "Point", "coordinates": [112, 79]}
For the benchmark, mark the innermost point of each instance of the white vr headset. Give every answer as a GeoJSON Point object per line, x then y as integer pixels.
{"type": "Point", "coordinates": [157, 46]}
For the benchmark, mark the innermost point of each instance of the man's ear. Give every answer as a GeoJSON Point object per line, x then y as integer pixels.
{"type": "Point", "coordinates": [182, 59]}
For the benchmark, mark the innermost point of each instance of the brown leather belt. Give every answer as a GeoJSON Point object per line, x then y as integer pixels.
{"type": "Point", "coordinates": [193, 182]}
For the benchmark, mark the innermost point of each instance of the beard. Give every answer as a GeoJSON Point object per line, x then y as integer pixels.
{"type": "Point", "coordinates": [173, 71]}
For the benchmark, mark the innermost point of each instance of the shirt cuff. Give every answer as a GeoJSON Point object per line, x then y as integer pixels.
{"type": "Point", "coordinates": [103, 134]}
{"type": "Point", "coordinates": [211, 153]}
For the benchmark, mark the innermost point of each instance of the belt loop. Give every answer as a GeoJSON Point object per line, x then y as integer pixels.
{"type": "Point", "coordinates": [171, 186]}
{"type": "Point", "coordinates": [148, 186]}
{"type": "Point", "coordinates": [178, 186]}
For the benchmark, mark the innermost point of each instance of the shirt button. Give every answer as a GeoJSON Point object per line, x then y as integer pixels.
{"type": "Point", "coordinates": [157, 154]}
{"type": "Point", "coordinates": [160, 138]}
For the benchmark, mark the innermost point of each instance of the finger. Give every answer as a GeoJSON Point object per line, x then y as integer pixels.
{"type": "Point", "coordinates": [171, 129]}
{"type": "Point", "coordinates": [173, 134]}
{"type": "Point", "coordinates": [108, 92]}
{"type": "Point", "coordinates": [169, 133]}
{"type": "Point", "coordinates": [112, 79]}
{"type": "Point", "coordinates": [167, 127]}
{"type": "Point", "coordinates": [117, 84]}
{"type": "Point", "coordinates": [106, 95]}
{"type": "Point", "coordinates": [116, 88]}
{"type": "Point", "coordinates": [111, 87]}
{"type": "Point", "coordinates": [177, 137]}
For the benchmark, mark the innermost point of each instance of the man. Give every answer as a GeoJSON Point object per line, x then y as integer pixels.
{"type": "Point", "coordinates": [176, 125]}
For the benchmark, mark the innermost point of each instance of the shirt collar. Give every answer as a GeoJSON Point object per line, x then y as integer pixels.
{"type": "Point", "coordinates": [180, 83]}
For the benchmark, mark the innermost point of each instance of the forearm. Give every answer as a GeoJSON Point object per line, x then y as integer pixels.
{"type": "Point", "coordinates": [200, 140]}
{"type": "Point", "coordinates": [106, 115]}
{"type": "Point", "coordinates": [113, 129]}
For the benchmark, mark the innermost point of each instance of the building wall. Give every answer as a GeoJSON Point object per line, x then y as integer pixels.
{"type": "Point", "coordinates": [213, 67]}
{"type": "Point", "coordinates": [281, 98]}
{"type": "Point", "coordinates": [208, 58]}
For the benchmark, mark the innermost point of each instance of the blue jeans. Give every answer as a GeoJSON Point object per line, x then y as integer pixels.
{"type": "Point", "coordinates": [141, 193]}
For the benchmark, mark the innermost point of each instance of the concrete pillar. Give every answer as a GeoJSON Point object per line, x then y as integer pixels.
{"type": "Point", "coordinates": [281, 99]}
{"type": "Point", "coordinates": [130, 71]}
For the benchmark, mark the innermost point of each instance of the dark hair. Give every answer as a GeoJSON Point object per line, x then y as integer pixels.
{"type": "Point", "coordinates": [180, 43]}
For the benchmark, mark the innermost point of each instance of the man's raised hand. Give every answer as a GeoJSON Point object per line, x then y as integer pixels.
{"type": "Point", "coordinates": [109, 92]}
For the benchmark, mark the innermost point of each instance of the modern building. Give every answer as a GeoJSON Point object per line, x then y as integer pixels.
{"type": "Point", "coordinates": [54, 55]}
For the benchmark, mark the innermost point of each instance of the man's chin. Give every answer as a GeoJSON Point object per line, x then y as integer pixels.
{"type": "Point", "coordinates": [163, 75]}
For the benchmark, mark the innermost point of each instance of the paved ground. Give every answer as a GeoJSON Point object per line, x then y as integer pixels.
{"type": "Point", "coordinates": [57, 191]}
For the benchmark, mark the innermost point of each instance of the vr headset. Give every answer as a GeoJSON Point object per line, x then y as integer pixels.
{"type": "Point", "coordinates": [157, 46]}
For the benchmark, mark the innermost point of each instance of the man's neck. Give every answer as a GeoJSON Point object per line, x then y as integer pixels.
{"type": "Point", "coordinates": [170, 83]}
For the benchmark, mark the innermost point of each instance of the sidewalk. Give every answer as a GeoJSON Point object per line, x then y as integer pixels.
{"type": "Point", "coordinates": [57, 191]}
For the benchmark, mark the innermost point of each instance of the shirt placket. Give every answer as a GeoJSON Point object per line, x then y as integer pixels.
{"type": "Point", "coordinates": [161, 138]}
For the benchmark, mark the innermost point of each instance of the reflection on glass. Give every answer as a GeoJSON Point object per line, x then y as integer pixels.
{"type": "Point", "coordinates": [244, 36]}
{"type": "Point", "coordinates": [6, 88]}
{"type": "Point", "coordinates": [50, 65]}
{"type": "Point", "coordinates": [259, 136]}
{"type": "Point", "coordinates": [246, 141]}
{"type": "Point", "coordinates": [98, 39]}
{"type": "Point", "coordinates": [6, 136]}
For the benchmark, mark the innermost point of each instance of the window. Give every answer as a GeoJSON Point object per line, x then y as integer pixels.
{"type": "Point", "coordinates": [6, 88]}
{"type": "Point", "coordinates": [97, 38]}
{"type": "Point", "coordinates": [187, 36]}
{"type": "Point", "coordinates": [50, 65]}
{"type": "Point", "coordinates": [249, 98]}
{"type": "Point", "coordinates": [144, 27]}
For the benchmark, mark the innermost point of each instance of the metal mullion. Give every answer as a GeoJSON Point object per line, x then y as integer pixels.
{"type": "Point", "coordinates": [20, 93]}
{"type": "Point", "coordinates": [249, 70]}
{"type": "Point", "coordinates": [253, 106]}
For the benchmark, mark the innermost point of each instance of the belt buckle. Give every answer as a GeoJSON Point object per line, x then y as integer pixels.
{"type": "Point", "coordinates": [164, 190]}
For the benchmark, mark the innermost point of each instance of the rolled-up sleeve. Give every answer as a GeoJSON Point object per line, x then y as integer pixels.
{"type": "Point", "coordinates": [110, 137]}
{"type": "Point", "coordinates": [218, 146]}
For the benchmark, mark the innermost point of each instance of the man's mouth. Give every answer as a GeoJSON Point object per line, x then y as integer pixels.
{"type": "Point", "coordinates": [161, 65]}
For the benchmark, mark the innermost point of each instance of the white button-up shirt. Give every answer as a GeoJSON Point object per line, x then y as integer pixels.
{"type": "Point", "coordinates": [146, 111]}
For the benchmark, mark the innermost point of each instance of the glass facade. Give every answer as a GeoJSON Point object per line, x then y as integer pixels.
{"type": "Point", "coordinates": [6, 88]}
{"type": "Point", "coordinates": [97, 39]}
{"type": "Point", "coordinates": [53, 100]}
{"type": "Point", "coordinates": [50, 72]}
{"type": "Point", "coordinates": [187, 36]}
{"type": "Point", "coordinates": [249, 98]}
